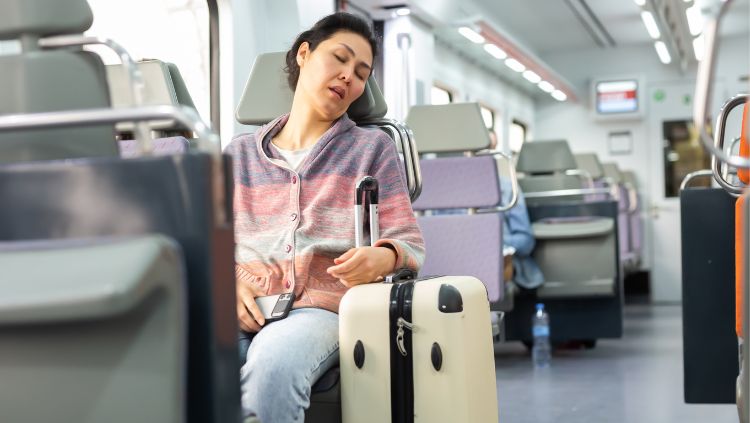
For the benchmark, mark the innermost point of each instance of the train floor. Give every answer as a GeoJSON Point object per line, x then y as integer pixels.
{"type": "Point", "coordinates": [636, 379]}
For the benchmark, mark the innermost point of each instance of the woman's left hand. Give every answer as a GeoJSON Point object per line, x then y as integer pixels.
{"type": "Point", "coordinates": [363, 265]}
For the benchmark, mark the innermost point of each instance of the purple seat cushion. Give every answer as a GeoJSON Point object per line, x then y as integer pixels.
{"type": "Point", "coordinates": [467, 245]}
{"type": "Point", "coordinates": [458, 182]}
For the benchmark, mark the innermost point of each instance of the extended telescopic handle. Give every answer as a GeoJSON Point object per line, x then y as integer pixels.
{"type": "Point", "coordinates": [366, 193]}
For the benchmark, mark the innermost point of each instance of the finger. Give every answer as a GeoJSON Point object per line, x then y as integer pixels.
{"type": "Point", "coordinates": [247, 323]}
{"type": "Point", "coordinates": [254, 310]}
{"type": "Point", "coordinates": [346, 266]}
{"type": "Point", "coordinates": [346, 256]}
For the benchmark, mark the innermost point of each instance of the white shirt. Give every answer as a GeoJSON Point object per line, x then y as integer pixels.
{"type": "Point", "coordinates": [293, 157]}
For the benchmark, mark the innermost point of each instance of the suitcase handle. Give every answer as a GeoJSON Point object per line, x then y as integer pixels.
{"type": "Point", "coordinates": [366, 193]}
{"type": "Point", "coordinates": [401, 275]}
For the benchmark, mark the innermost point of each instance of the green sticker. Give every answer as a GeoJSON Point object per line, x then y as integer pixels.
{"type": "Point", "coordinates": [686, 99]}
{"type": "Point", "coordinates": [659, 95]}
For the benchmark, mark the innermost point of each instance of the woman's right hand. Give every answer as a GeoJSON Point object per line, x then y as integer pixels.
{"type": "Point", "coordinates": [248, 314]}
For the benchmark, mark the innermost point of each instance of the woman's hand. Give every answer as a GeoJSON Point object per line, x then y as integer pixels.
{"type": "Point", "coordinates": [363, 265]}
{"type": "Point", "coordinates": [248, 314]}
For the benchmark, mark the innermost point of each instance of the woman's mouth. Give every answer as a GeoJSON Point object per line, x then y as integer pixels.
{"type": "Point", "coordinates": [338, 91]}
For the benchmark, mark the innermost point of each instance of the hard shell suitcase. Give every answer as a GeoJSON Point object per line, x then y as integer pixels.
{"type": "Point", "coordinates": [416, 350]}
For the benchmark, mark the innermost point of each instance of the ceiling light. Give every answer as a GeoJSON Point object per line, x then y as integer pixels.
{"type": "Point", "coordinates": [514, 64]}
{"type": "Point", "coordinates": [546, 87]}
{"type": "Point", "coordinates": [699, 47]}
{"type": "Point", "coordinates": [651, 27]}
{"type": "Point", "coordinates": [472, 35]}
{"type": "Point", "coordinates": [640, 2]}
{"type": "Point", "coordinates": [661, 50]}
{"type": "Point", "coordinates": [695, 20]}
{"type": "Point", "coordinates": [559, 95]}
{"type": "Point", "coordinates": [495, 51]}
{"type": "Point", "coordinates": [532, 77]}
{"type": "Point", "coordinates": [404, 11]}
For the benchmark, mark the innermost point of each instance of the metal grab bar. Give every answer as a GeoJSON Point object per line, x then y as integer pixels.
{"type": "Point", "coordinates": [703, 89]}
{"type": "Point", "coordinates": [721, 122]}
{"type": "Point", "coordinates": [513, 181]}
{"type": "Point", "coordinates": [404, 137]}
{"type": "Point", "coordinates": [632, 197]}
{"type": "Point", "coordinates": [208, 141]}
{"type": "Point", "coordinates": [137, 85]}
{"type": "Point", "coordinates": [568, 192]}
{"type": "Point", "coordinates": [692, 175]}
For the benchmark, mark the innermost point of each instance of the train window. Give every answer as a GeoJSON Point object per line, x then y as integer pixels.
{"type": "Point", "coordinates": [517, 135]}
{"type": "Point", "coordinates": [174, 31]}
{"type": "Point", "coordinates": [440, 95]}
{"type": "Point", "coordinates": [683, 154]}
{"type": "Point", "coordinates": [488, 115]}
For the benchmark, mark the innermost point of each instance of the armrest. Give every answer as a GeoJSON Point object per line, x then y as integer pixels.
{"type": "Point", "coordinates": [560, 229]}
{"type": "Point", "coordinates": [67, 280]}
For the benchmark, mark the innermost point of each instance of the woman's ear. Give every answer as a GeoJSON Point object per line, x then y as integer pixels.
{"type": "Point", "coordinates": [302, 52]}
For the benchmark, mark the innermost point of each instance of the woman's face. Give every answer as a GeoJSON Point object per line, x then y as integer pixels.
{"type": "Point", "coordinates": [334, 74]}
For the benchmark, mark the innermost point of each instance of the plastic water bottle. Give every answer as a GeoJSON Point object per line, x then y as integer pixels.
{"type": "Point", "coordinates": [541, 353]}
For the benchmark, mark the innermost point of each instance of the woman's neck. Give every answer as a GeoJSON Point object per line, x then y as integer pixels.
{"type": "Point", "coordinates": [303, 129]}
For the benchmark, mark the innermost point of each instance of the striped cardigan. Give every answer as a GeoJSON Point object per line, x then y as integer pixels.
{"type": "Point", "coordinates": [289, 226]}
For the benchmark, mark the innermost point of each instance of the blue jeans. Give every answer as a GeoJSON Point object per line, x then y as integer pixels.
{"type": "Point", "coordinates": [282, 362]}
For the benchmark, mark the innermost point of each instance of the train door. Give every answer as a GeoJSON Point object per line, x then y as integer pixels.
{"type": "Point", "coordinates": [675, 151]}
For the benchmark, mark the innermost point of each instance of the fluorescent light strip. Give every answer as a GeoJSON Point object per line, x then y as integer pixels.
{"type": "Point", "coordinates": [651, 27]}
{"type": "Point", "coordinates": [695, 20]}
{"type": "Point", "coordinates": [495, 51]}
{"type": "Point", "coordinates": [640, 2]}
{"type": "Point", "coordinates": [661, 50]}
{"type": "Point", "coordinates": [471, 35]}
{"type": "Point", "coordinates": [532, 77]}
{"type": "Point", "coordinates": [404, 11]}
{"type": "Point", "coordinates": [559, 95]}
{"type": "Point", "coordinates": [514, 64]}
{"type": "Point", "coordinates": [546, 87]}
{"type": "Point", "coordinates": [699, 47]}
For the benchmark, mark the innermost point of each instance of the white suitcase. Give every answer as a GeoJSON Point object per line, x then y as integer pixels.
{"type": "Point", "coordinates": [416, 350]}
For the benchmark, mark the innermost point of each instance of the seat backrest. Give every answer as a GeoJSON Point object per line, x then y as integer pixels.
{"type": "Point", "coordinates": [459, 243]}
{"type": "Point", "coordinates": [267, 94]}
{"type": "Point", "coordinates": [739, 227]}
{"type": "Point", "coordinates": [36, 80]}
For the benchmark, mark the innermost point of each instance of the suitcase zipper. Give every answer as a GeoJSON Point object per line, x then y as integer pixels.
{"type": "Point", "coordinates": [401, 323]}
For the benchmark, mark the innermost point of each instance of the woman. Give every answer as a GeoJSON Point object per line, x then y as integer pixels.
{"type": "Point", "coordinates": [294, 225]}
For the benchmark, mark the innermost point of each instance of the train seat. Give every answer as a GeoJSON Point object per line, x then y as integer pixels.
{"type": "Point", "coordinates": [106, 315]}
{"type": "Point", "coordinates": [466, 243]}
{"type": "Point", "coordinates": [566, 240]}
{"type": "Point", "coordinates": [634, 216]}
{"type": "Point", "coordinates": [590, 164]}
{"type": "Point", "coordinates": [48, 80]}
{"type": "Point", "coordinates": [99, 198]}
{"type": "Point", "coordinates": [163, 85]}
{"type": "Point", "coordinates": [627, 255]}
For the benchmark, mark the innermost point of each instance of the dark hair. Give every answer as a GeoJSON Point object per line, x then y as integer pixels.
{"type": "Point", "coordinates": [323, 30]}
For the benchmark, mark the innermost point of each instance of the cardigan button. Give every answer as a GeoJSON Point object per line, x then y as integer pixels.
{"type": "Point", "coordinates": [288, 248]}
{"type": "Point", "coordinates": [288, 284]}
{"type": "Point", "coordinates": [293, 217]}
{"type": "Point", "coordinates": [294, 179]}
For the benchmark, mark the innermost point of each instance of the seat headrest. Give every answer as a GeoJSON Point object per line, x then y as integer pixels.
{"type": "Point", "coordinates": [612, 171]}
{"type": "Point", "coordinates": [448, 128]}
{"type": "Point", "coordinates": [629, 177]}
{"type": "Point", "coordinates": [163, 85]}
{"type": "Point", "coordinates": [545, 157]}
{"type": "Point", "coordinates": [590, 163]}
{"type": "Point", "coordinates": [43, 17]}
{"type": "Point", "coordinates": [267, 94]}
